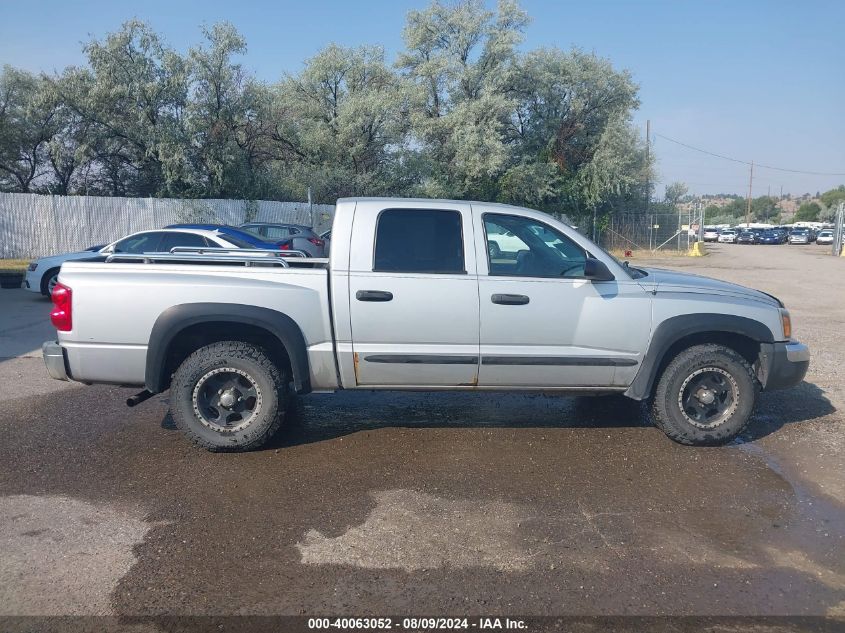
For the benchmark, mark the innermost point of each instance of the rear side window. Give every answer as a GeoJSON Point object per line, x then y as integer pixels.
{"type": "Point", "coordinates": [277, 231]}
{"type": "Point", "coordinates": [237, 241]}
{"type": "Point", "coordinates": [143, 243]}
{"type": "Point", "coordinates": [172, 240]}
{"type": "Point", "coordinates": [419, 241]}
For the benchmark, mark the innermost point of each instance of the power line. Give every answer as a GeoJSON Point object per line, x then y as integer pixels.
{"type": "Point", "coordinates": [746, 162]}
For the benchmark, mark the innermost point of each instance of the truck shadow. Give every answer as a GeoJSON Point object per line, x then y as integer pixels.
{"type": "Point", "coordinates": [321, 417]}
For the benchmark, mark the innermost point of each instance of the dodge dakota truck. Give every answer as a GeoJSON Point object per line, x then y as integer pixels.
{"type": "Point", "coordinates": [419, 295]}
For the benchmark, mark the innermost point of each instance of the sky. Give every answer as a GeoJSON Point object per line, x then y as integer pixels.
{"type": "Point", "coordinates": [753, 80]}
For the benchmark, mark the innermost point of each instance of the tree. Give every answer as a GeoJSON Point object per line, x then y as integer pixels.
{"type": "Point", "coordinates": [27, 123]}
{"type": "Point", "coordinates": [340, 122]}
{"type": "Point", "coordinates": [134, 97]}
{"type": "Point", "coordinates": [223, 117]}
{"type": "Point", "coordinates": [457, 60]}
{"type": "Point", "coordinates": [462, 114]}
{"type": "Point", "coordinates": [674, 192]}
{"type": "Point", "coordinates": [833, 197]}
{"type": "Point", "coordinates": [808, 212]}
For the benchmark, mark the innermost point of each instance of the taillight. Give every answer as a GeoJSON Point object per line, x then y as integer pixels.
{"type": "Point", "coordinates": [316, 241]}
{"type": "Point", "coordinates": [61, 316]}
{"type": "Point", "coordinates": [284, 246]}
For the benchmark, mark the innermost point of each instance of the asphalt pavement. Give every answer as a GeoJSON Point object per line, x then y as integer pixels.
{"type": "Point", "coordinates": [436, 504]}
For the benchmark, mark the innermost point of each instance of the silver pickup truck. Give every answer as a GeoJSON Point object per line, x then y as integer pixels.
{"type": "Point", "coordinates": [422, 295]}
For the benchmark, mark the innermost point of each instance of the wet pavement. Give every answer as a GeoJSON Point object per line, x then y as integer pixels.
{"type": "Point", "coordinates": [388, 503]}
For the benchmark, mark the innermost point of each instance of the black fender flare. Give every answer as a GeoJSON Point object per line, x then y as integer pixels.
{"type": "Point", "coordinates": [175, 319]}
{"type": "Point", "coordinates": [673, 329]}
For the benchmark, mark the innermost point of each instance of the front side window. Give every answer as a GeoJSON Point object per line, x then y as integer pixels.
{"type": "Point", "coordinates": [522, 247]}
{"type": "Point", "coordinates": [419, 241]}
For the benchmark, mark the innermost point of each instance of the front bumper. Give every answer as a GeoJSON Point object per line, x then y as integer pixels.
{"type": "Point", "coordinates": [785, 364]}
{"type": "Point", "coordinates": [54, 358]}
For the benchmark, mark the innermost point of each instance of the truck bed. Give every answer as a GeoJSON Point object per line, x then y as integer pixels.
{"type": "Point", "coordinates": [114, 314]}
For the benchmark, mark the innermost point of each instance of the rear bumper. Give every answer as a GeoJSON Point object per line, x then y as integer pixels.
{"type": "Point", "coordinates": [54, 358]}
{"type": "Point", "coordinates": [787, 364]}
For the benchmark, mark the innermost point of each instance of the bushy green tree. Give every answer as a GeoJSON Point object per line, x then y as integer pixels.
{"type": "Point", "coordinates": [808, 212]}
{"type": "Point", "coordinates": [463, 113]}
{"type": "Point", "coordinates": [27, 123]}
{"type": "Point", "coordinates": [833, 197]}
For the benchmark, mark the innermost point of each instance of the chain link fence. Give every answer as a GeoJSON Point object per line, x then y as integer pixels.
{"type": "Point", "coordinates": [651, 231]}
{"type": "Point", "coordinates": [33, 225]}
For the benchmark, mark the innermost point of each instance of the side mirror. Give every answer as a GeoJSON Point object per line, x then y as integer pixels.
{"type": "Point", "coordinates": [596, 270]}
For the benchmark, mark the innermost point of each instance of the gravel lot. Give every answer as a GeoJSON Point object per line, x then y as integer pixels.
{"type": "Point", "coordinates": [386, 504]}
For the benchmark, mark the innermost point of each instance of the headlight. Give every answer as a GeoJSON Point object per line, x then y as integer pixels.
{"type": "Point", "coordinates": [32, 266]}
{"type": "Point", "coordinates": [786, 322]}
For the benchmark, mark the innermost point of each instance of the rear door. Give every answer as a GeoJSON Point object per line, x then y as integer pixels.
{"type": "Point", "coordinates": [413, 292]}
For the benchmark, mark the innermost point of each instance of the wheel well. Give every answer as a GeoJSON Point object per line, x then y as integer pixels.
{"type": "Point", "coordinates": [745, 346]}
{"type": "Point", "coordinates": [45, 278]}
{"type": "Point", "coordinates": [193, 337]}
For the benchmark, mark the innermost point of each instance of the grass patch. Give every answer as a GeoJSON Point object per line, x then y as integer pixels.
{"type": "Point", "coordinates": [13, 265]}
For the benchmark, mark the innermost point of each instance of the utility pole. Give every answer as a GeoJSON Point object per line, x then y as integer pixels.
{"type": "Point", "coordinates": [748, 202]}
{"type": "Point", "coordinates": [647, 163]}
{"type": "Point", "coordinates": [310, 208]}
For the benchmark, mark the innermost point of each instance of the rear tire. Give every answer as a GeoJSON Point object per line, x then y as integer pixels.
{"type": "Point", "coordinates": [705, 396]}
{"type": "Point", "coordinates": [229, 397]}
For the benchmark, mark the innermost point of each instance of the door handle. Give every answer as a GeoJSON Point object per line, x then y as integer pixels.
{"type": "Point", "coordinates": [510, 300]}
{"type": "Point", "coordinates": [374, 295]}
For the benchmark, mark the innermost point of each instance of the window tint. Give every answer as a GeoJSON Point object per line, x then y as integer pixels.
{"type": "Point", "coordinates": [523, 247]}
{"type": "Point", "coordinates": [143, 243]}
{"type": "Point", "coordinates": [276, 231]}
{"type": "Point", "coordinates": [236, 241]}
{"type": "Point", "coordinates": [171, 240]}
{"type": "Point", "coordinates": [419, 241]}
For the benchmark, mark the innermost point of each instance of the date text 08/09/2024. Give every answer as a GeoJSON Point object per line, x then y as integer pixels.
{"type": "Point", "coordinates": [417, 624]}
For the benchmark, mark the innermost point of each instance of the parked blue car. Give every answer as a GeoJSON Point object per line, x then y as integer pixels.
{"type": "Point", "coordinates": [769, 237]}
{"type": "Point", "coordinates": [244, 239]}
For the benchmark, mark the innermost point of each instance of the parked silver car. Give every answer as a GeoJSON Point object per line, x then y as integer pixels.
{"type": "Point", "coordinates": [304, 238]}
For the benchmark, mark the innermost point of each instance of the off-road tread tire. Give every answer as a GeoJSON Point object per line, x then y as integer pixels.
{"type": "Point", "coordinates": [253, 360]}
{"type": "Point", "coordinates": [666, 413]}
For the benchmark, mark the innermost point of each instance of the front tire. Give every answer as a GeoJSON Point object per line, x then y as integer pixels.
{"type": "Point", "coordinates": [229, 397]}
{"type": "Point", "coordinates": [705, 396]}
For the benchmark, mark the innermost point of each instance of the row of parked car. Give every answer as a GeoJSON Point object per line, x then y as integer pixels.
{"type": "Point", "coordinates": [774, 235]}
{"type": "Point", "coordinates": [42, 274]}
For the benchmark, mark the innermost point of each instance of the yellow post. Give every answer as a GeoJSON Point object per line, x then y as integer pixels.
{"type": "Point", "coordinates": [697, 250]}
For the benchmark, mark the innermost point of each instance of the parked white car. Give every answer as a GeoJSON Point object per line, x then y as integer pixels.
{"type": "Point", "coordinates": [43, 273]}
{"type": "Point", "coordinates": [711, 234]}
{"type": "Point", "coordinates": [825, 237]}
{"type": "Point", "coordinates": [727, 236]}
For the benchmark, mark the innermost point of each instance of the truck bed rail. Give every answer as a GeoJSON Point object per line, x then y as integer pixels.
{"type": "Point", "coordinates": [213, 255]}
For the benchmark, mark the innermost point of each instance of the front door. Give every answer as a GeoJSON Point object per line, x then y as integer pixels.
{"type": "Point", "coordinates": [414, 296]}
{"type": "Point", "coordinates": [542, 323]}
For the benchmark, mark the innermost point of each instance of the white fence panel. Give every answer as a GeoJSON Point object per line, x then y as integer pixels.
{"type": "Point", "coordinates": [33, 225]}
